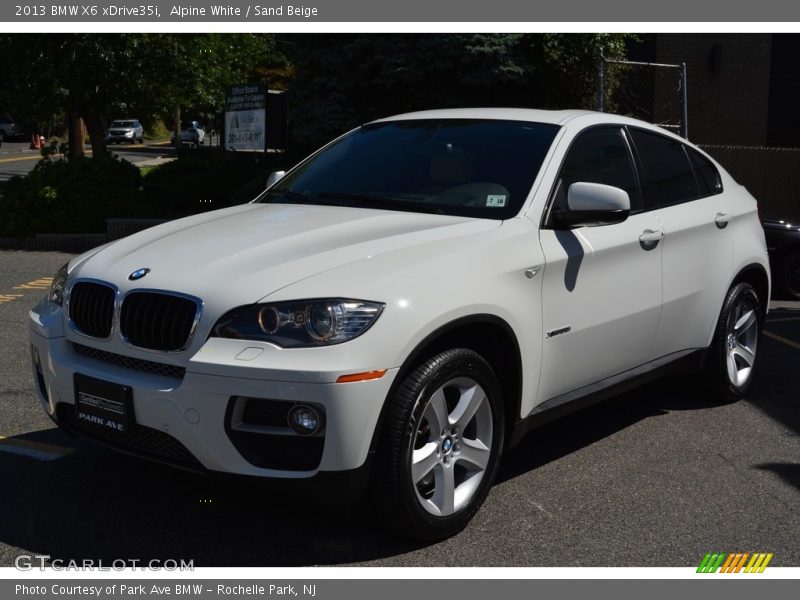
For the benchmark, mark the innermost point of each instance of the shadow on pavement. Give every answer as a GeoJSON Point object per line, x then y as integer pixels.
{"type": "Point", "coordinates": [790, 473]}
{"type": "Point", "coordinates": [94, 503]}
{"type": "Point", "coordinates": [570, 434]}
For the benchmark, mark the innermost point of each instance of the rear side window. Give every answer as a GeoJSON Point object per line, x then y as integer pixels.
{"type": "Point", "coordinates": [669, 178]}
{"type": "Point", "coordinates": [708, 179]}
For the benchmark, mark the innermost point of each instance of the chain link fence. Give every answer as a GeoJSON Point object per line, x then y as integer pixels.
{"type": "Point", "coordinates": [771, 175]}
{"type": "Point", "coordinates": [652, 92]}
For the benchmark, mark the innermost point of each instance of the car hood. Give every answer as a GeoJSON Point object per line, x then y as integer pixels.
{"type": "Point", "coordinates": [248, 252]}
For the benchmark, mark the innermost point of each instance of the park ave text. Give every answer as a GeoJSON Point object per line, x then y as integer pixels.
{"type": "Point", "coordinates": [177, 589]}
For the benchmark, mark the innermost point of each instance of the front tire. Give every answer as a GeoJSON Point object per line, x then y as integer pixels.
{"type": "Point", "coordinates": [440, 445]}
{"type": "Point", "coordinates": [736, 341]}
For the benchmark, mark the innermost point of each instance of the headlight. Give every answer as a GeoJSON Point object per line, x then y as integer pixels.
{"type": "Point", "coordinates": [300, 323]}
{"type": "Point", "coordinates": [56, 294]}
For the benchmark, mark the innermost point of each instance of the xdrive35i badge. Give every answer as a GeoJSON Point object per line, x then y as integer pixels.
{"type": "Point", "coordinates": [138, 274]}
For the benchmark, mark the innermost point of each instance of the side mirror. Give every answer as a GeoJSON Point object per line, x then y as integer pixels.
{"type": "Point", "coordinates": [274, 178]}
{"type": "Point", "coordinates": [591, 204]}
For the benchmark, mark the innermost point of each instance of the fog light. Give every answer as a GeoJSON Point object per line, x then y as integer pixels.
{"type": "Point", "coordinates": [304, 419]}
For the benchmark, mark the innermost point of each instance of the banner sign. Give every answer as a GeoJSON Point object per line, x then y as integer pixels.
{"type": "Point", "coordinates": [246, 118]}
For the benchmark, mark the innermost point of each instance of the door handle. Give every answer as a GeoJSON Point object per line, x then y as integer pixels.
{"type": "Point", "coordinates": [650, 238]}
{"type": "Point", "coordinates": [722, 220]}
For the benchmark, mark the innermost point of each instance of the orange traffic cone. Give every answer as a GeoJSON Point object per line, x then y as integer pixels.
{"type": "Point", "coordinates": [36, 143]}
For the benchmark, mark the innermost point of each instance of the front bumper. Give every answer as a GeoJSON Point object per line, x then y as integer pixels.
{"type": "Point", "coordinates": [120, 137]}
{"type": "Point", "coordinates": [195, 421]}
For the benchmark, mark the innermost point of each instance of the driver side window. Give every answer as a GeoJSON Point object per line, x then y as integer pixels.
{"type": "Point", "coordinates": [599, 155]}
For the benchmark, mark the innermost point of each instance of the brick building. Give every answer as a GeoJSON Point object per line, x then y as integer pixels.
{"type": "Point", "coordinates": [743, 89]}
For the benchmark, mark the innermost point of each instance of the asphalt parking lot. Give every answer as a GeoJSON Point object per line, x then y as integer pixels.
{"type": "Point", "coordinates": [655, 477]}
{"type": "Point", "coordinates": [17, 158]}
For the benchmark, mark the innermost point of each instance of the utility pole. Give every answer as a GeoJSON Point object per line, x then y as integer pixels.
{"type": "Point", "coordinates": [601, 81]}
{"type": "Point", "coordinates": [176, 123]}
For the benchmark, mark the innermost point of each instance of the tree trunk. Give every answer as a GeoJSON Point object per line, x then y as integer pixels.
{"type": "Point", "coordinates": [76, 134]}
{"type": "Point", "coordinates": [176, 127]}
{"type": "Point", "coordinates": [97, 133]}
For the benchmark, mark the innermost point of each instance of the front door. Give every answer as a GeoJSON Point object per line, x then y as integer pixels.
{"type": "Point", "coordinates": [601, 294]}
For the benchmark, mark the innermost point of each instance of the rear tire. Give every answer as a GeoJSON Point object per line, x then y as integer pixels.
{"type": "Point", "coordinates": [440, 446]}
{"type": "Point", "coordinates": [734, 351]}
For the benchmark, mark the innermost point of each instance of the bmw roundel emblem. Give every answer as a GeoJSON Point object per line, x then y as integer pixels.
{"type": "Point", "coordinates": [138, 274]}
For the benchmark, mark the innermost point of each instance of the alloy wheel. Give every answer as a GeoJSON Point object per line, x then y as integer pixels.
{"type": "Point", "coordinates": [452, 446]}
{"type": "Point", "coordinates": [741, 341]}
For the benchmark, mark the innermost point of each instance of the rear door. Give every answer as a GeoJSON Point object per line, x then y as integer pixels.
{"type": "Point", "coordinates": [601, 293]}
{"type": "Point", "coordinates": [683, 190]}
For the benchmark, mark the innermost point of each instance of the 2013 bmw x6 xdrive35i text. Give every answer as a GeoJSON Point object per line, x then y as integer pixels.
{"type": "Point", "coordinates": [407, 302]}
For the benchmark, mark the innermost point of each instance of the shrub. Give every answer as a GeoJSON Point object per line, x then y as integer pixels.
{"type": "Point", "coordinates": [206, 181]}
{"type": "Point", "coordinates": [60, 196]}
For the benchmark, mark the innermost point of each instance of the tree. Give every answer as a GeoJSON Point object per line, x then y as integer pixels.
{"type": "Point", "coordinates": [341, 81]}
{"type": "Point", "coordinates": [94, 76]}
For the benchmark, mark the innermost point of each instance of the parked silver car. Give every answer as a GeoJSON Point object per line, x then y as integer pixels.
{"type": "Point", "coordinates": [191, 133]}
{"type": "Point", "coordinates": [125, 130]}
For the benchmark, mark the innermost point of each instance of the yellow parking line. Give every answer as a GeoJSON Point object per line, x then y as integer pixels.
{"type": "Point", "coordinates": [19, 158]}
{"type": "Point", "coordinates": [42, 283]}
{"type": "Point", "coordinates": [783, 340]}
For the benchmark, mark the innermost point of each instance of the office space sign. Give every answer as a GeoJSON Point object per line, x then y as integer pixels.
{"type": "Point", "coordinates": [246, 117]}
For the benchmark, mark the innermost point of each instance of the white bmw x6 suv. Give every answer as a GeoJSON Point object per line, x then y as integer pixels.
{"type": "Point", "coordinates": [398, 309]}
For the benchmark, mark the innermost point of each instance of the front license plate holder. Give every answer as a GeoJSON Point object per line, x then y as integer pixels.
{"type": "Point", "coordinates": [103, 403]}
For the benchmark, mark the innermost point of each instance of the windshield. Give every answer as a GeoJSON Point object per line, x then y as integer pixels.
{"type": "Point", "coordinates": [187, 125]}
{"type": "Point", "coordinates": [480, 168]}
{"type": "Point", "coordinates": [122, 124]}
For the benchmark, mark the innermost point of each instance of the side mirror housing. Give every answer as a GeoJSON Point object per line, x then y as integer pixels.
{"type": "Point", "coordinates": [274, 178]}
{"type": "Point", "coordinates": [592, 204]}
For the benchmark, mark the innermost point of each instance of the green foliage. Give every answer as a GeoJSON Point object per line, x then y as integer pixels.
{"type": "Point", "coordinates": [142, 75]}
{"type": "Point", "coordinates": [60, 196]}
{"type": "Point", "coordinates": [341, 81]}
{"type": "Point", "coordinates": [336, 82]}
{"type": "Point", "coordinates": [207, 181]}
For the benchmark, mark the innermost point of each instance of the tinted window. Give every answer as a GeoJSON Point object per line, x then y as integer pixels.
{"type": "Point", "coordinates": [598, 156]}
{"type": "Point", "coordinates": [668, 175]}
{"type": "Point", "coordinates": [470, 167]}
{"type": "Point", "coordinates": [708, 179]}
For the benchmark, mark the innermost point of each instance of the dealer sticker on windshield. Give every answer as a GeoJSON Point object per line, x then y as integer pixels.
{"type": "Point", "coordinates": [496, 200]}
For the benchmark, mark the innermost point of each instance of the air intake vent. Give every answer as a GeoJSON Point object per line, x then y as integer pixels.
{"type": "Point", "coordinates": [157, 321]}
{"type": "Point", "coordinates": [127, 362]}
{"type": "Point", "coordinates": [91, 308]}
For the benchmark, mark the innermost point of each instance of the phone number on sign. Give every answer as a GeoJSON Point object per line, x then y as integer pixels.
{"type": "Point", "coordinates": [245, 137]}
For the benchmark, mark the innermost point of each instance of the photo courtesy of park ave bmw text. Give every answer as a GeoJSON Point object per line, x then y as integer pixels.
{"type": "Point", "coordinates": [366, 285]}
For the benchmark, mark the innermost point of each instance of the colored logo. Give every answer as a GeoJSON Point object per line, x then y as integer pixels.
{"type": "Point", "coordinates": [735, 562]}
{"type": "Point", "coordinates": [138, 274]}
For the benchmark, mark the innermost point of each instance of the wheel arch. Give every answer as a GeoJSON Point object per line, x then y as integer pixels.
{"type": "Point", "coordinates": [756, 275]}
{"type": "Point", "coordinates": [488, 335]}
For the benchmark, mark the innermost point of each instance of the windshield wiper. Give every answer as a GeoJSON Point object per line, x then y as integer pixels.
{"type": "Point", "coordinates": [375, 201]}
